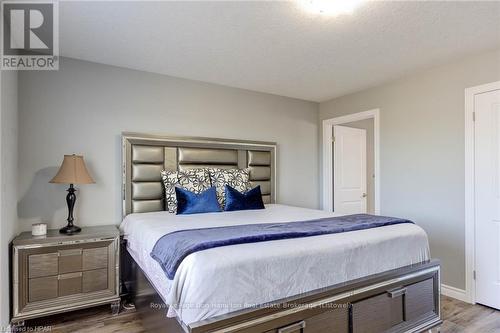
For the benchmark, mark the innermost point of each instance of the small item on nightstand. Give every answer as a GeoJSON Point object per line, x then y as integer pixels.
{"type": "Point", "coordinates": [39, 229]}
{"type": "Point", "coordinates": [72, 171]}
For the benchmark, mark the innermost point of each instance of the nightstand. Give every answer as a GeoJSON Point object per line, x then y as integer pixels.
{"type": "Point", "coordinates": [58, 273]}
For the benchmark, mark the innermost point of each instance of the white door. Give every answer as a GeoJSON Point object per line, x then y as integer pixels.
{"type": "Point", "coordinates": [349, 170]}
{"type": "Point", "coordinates": [487, 191]}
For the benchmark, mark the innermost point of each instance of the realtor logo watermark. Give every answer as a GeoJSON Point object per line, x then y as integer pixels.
{"type": "Point", "coordinates": [30, 35]}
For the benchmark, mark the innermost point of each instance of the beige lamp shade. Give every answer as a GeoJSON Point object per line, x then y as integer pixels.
{"type": "Point", "coordinates": [73, 171]}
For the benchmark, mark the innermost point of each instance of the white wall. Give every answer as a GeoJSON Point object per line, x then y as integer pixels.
{"type": "Point", "coordinates": [422, 150]}
{"type": "Point", "coordinates": [84, 107]}
{"type": "Point", "coordinates": [8, 180]}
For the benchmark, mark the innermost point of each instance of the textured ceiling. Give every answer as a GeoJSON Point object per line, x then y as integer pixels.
{"type": "Point", "coordinates": [277, 47]}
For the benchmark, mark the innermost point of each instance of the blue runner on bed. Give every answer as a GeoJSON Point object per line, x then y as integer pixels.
{"type": "Point", "coordinates": [172, 248]}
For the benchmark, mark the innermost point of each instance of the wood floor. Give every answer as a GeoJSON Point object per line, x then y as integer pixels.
{"type": "Point", "coordinates": [463, 317]}
{"type": "Point", "coordinates": [458, 317]}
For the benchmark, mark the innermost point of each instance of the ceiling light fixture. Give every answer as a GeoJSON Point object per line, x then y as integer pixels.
{"type": "Point", "coordinates": [331, 7]}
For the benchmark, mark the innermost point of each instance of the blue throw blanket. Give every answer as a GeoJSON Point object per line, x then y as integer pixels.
{"type": "Point", "coordinates": [172, 248]}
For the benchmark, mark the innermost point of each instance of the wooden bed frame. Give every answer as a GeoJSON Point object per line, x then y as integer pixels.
{"type": "Point", "coordinates": [401, 300]}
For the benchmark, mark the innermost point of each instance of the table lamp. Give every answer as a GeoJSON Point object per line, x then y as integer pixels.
{"type": "Point", "coordinates": [72, 171]}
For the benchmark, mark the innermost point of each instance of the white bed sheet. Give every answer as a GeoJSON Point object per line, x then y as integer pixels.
{"type": "Point", "coordinates": [224, 279]}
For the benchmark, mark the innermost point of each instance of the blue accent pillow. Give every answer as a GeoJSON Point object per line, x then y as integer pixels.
{"type": "Point", "coordinates": [236, 200]}
{"type": "Point", "coordinates": [191, 203]}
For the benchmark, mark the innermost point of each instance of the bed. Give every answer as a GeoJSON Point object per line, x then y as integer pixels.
{"type": "Point", "coordinates": [328, 283]}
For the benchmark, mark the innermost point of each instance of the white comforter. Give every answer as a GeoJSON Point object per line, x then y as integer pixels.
{"type": "Point", "coordinates": [220, 280]}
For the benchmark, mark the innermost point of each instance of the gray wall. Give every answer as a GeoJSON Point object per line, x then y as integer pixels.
{"type": "Point", "coordinates": [8, 180]}
{"type": "Point", "coordinates": [368, 125]}
{"type": "Point", "coordinates": [422, 150]}
{"type": "Point", "coordinates": [84, 107]}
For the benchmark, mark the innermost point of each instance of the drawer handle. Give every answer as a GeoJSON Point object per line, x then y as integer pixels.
{"type": "Point", "coordinates": [71, 252]}
{"type": "Point", "coordinates": [393, 293]}
{"type": "Point", "coordinates": [294, 327]}
{"type": "Point", "coordinates": [69, 276]}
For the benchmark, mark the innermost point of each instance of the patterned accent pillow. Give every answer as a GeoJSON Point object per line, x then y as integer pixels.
{"type": "Point", "coordinates": [239, 179]}
{"type": "Point", "coordinates": [194, 180]}
{"type": "Point", "coordinates": [170, 179]}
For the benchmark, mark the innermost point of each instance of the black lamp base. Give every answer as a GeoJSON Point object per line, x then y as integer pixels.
{"type": "Point", "coordinates": [70, 229]}
{"type": "Point", "coordinates": [70, 200]}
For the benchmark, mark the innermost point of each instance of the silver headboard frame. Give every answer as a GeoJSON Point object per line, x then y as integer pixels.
{"type": "Point", "coordinates": [144, 156]}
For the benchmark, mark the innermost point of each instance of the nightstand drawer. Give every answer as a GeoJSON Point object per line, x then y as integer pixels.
{"type": "Point", "coordinates": [70, 284]}
{"type": "Point", "coordinates": [43, 264]}
{"type": "Point", "coordinates": [95, 258]}
{"type": "Point", "coordinates": [70, 260]}
{"type": "Point", "coordinates": [43, 288]}
{"type": "Point", "coordinates": [95, 280]}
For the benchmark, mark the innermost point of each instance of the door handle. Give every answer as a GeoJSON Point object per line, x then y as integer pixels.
{"type": "Point", "coordinates": [364, 195]}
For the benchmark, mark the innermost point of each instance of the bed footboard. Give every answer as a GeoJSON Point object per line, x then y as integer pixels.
{"type": "Point", "coordinates": [401, 300]}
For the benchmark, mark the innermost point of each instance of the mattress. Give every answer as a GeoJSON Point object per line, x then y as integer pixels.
{"type": "Point", "coordinates": [225, 279]}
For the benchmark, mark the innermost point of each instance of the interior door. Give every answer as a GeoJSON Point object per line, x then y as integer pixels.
{"type": "Point", "coordinates": [349, 170]}
{"type": "Point", "coordinates": [487, 191]}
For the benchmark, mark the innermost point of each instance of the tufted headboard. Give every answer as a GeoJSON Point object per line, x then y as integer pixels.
{"type": "Point", "coordinates": [145, 156]}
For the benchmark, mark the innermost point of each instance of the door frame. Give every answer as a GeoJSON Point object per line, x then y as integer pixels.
{"type": "Point", "coordinates": [470, 206]}
{"type": "Point", "coordinates": [327, 154]}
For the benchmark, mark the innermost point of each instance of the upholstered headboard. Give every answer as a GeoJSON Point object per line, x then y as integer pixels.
{"type": "Point", "coordinates": [145, 156]}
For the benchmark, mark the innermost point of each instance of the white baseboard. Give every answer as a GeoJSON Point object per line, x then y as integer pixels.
{"type": "Point", "coordinates": [455, 293]}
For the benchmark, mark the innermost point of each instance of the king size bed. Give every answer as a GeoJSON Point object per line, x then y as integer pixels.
{"type": "Point", "coordinates": [374, 279]}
